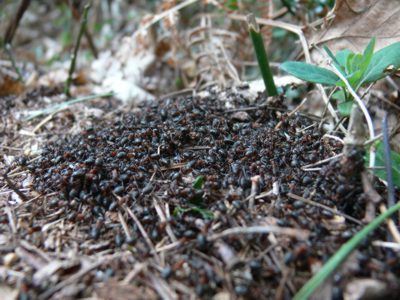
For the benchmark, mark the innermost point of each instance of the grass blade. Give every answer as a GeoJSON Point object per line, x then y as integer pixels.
{"type": "Point", "coordinates": [261, 54]}
{"type": "Point", "coordinates": [65, 104]}
{"type": "Point", "coordinates": [76, 49]}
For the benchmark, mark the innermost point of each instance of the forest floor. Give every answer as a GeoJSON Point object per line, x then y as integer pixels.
{"type": "Point", "coordinates": [198, 195]}
{"type": "Point", "coordinates": [184, 197]}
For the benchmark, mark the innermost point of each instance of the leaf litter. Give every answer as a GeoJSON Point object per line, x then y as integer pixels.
{"type": "Point", "coordinates": [116, 209]}
{"type": "Point", "coordinates": [99, 188]}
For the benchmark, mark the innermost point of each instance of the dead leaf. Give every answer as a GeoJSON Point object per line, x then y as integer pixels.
{"type": "Point", "coordinates": [10, 86]}
{"type": "Point", "coordinates": [354, 23]}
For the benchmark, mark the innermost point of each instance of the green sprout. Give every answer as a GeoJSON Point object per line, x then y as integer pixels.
{"type": "Point", "coordinates": [261, 54]}
{"type": "Point", "coordinates": [198, 182]}
{"type": "Point", "coordinates": [358, 69]}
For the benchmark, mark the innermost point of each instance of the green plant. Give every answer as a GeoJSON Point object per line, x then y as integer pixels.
{"type": "Point", "coordinates": [196, 205]}
{"type": "Point", "coordinates": [198, 182]}
{"type": "Point", "coordinates": [379, 170]}
{"type": "Point", "coordinates": [204, 213]}
{"type": "Point", "coordinates": [261, 54]}
{"type": "Point", "coordinates": [358, 69]}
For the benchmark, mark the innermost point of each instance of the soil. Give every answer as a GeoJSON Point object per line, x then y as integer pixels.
{"type": "Point", "coordinates": [187, 198]}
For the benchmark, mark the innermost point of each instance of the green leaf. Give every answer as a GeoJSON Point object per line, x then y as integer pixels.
{"type": "Point", "coordinates": [310, 73]}
{"type": "Point", "coordinates": [342, 57]}
{"type": "Point", "coordinates": [355, 78]}
{"type": "Point", "coordinates": [339, 95]}
{"type": "Point", "coordinates": [204, 213]}
{"type": "Point", "coordinates": [349, 63]}
{"type": "Point", "coordinates": [380, 163]}
{"type": "Point", "coordinates": [329, 52]}
{"type": "Point", "coordinates": [368, 54]}
{"type": "Point", "coordinates": [232, 4]}
{"type": "Point", "coordinates": [335, 61]}
{"type": "Point", "coordinates": [345, 108]}
{"type": "Point", "coordinates": [388, 56]}
{"type": "Point", "coordinates": [198, 182]}
{"type": "Point", "coordinates": [262, 57]}
{"type": "Point", "coordinates": [356, 62]}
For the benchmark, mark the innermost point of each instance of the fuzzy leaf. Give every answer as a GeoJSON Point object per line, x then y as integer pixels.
{"type": "Point", "coordinates": [310, 73]}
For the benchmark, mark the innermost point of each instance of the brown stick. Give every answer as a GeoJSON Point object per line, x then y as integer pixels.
{"type": "Point", "coordinates": [13, 26]}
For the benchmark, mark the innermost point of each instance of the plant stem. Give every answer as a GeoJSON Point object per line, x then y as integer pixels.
{"type": "Point", "coordinates": [261, 54]}
{"type": "Point", "coordinates": [13, 26]}
{"type": "Point", "coordinates": [309, 288]}
{"type": "Point", "coordinates": [8, 49]}
{"type": "Point", "coordinates": [77, 15]}
{"type": "Point", "coordinates": [76, 49]}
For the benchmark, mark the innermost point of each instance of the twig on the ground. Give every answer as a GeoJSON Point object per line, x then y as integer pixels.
{"type": "Point", "coordinates": [75, 277]}
{"type": "Point", "coordinates": [300, 234]}
{"type": "Point", "coordinates": [164, 220]}
{"type": "Point", "coordinates": [322, 161]}
{"type": "Point", "coordinates": [254, 187]}
{"type": "Point", "coordinates": [291, 113]}
{"type": "Point", "coordinates": [11, 218]}
{"type": "Point", "coordinates": [169, 247]}
{"type": "Point", "coordinates": [387, 101]}
{"type": "Point", "coordinates": [162, 288]}
{"type": "Point", "coordinates": [143, 232]}
{"type": "Point", "coordinates": [334, 137]}
{"type": "Point", "coordinates": [128, 235]}
{"type": "Point", "coordinates": [391, 225]}
{"type": "Point", "coordinates": [265, 106]}
{"type": "Point", "coordinates": [394, 246]}
{"type": "Point", "coordinates": [138, 267]}
{"type": "Point", "coordinates": [12, 186]}
{"type": "Point", "coordinates": [373, 198]}
{"type": "Point", "coordinates": [334, 211]}
{"type": "Point", "coordinates": [76, 49]}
